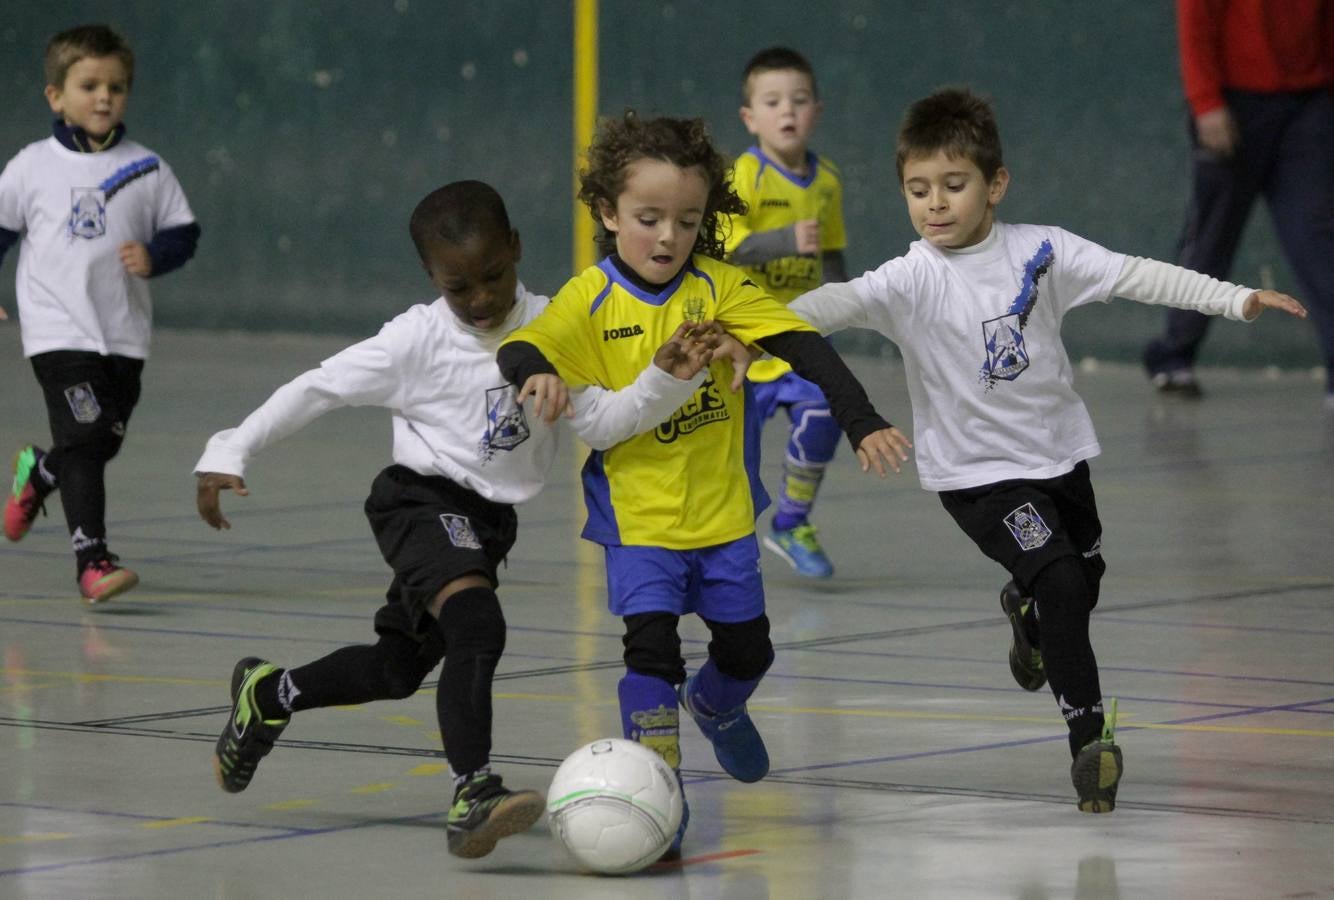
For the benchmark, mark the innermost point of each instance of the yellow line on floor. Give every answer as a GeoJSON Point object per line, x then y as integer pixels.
{"type": "Point", "coordinates": [35, 838]}
{"type": "Point", "coordinates": [402, 720]}
{"type": "Point", "coordinates": [290, 804]}
{"type": "Point", "coordinates": [429, 769]}
{"type": "Point", "coordinates": [378, 787]}
{"type": "Point", "coordinates": [173, 823]}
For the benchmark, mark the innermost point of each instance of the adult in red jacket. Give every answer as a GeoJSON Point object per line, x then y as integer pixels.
{"type": "Point", "coordinates": [1259, 78]}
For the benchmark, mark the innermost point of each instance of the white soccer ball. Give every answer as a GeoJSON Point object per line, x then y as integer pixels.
{"type": "Point", "coordinates": [614, 805]}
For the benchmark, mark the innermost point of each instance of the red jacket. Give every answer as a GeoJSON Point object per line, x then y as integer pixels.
{"type": "Point", "coordinates": [1253, 45]}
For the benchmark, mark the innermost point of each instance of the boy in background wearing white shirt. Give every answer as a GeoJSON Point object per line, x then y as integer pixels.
{"type": "Point", "coordinates": [975, 307]}
{"type": "Point", "coordinates": [465, 452]}
{"type": "Point", "coordinates": [98, 215]}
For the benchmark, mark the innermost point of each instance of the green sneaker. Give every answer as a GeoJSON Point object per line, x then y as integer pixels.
{"type": "Point", "coordinates": [801, 548]}
{"type": "Point", "coordinates": [246, 739]}
{"type": "Point", "coordinates": [484, 811]}
{"type": "Point", "coordinates": [1025, 659]}
{"type": "Point", "coordinates": [26, 496]}
{"type": "Point", "coordinates": [1097, 768]}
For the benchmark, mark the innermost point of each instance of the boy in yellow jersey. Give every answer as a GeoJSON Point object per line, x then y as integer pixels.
{"type": "Point", "coordinates": [790, 240]}
{"type": "Point", "coordinates": [674, 507]}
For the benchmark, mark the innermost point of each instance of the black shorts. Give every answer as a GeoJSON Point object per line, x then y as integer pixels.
{"type": "Point", "coordinates": [432, 530]}
{"type": "Point", "coordinates": [86, 393]}
{"type": "Point", "coordinates": [1025, 525]}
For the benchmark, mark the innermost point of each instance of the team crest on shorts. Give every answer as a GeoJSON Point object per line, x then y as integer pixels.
{"type": "Point", "coordinates": [88, 212]}
{"type": "Point", "coordinates": [1027, 527]}
{"type": "Point", "coordinates": [460, 531]}
{"type": "Point", "coordinates": [506, 426]}
{"type": "Point", "coordinates": [83, 403]}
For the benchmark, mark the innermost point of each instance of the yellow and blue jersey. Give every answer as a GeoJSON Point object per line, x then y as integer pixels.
{"type": "Point", "coordinates": [692, 481]}
{"type": "Point", "coordinates": [778, 198]}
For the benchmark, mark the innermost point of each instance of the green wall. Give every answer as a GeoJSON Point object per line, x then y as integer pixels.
{"type": "Point", "coordinates": [305, 132]}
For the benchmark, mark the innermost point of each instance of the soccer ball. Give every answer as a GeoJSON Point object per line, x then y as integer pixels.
{"type": "Point", "coordinates": [615, 805]}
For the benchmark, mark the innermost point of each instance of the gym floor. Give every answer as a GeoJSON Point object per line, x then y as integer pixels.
{"type": "Point", "coordinates": [906, 763]}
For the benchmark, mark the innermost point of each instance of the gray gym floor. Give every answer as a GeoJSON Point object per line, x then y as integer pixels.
{"type": "Point", "coordinates": [905, 761]}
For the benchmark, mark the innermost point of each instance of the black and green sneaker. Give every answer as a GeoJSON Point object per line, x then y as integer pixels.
{"type": "Point", "coordinates": [484, 811]}
{"type": "Point", "coordinates": [1025, 658]}
{"type": "Point", "coordinates": [1097, 768]}
{"type": "Point", "coordinates": [246, 739]}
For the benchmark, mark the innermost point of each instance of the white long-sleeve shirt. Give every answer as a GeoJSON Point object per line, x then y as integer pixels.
{"type": "Point", "coordinates": [990, 382]}
{"type": "Point", "coordinates": [453, 413]}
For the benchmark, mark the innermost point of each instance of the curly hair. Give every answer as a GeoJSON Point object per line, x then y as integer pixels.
{"type": "Point", "coordinates": [681, 142]}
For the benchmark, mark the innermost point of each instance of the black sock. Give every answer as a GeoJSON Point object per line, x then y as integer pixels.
{"type": "Point", "coordinates": [391, 669]}
{"type": "Point", "coordinates": [473, 629]}
{"type": "Point", "coordinates": [1062, 595]}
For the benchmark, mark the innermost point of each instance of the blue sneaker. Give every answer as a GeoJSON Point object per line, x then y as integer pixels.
{"type": "Point", "coordinates": [736, 742]}
{"type": "Point", "coordinates": [801, 548]}
{"type": "Point", "coordinates": [673, 851]}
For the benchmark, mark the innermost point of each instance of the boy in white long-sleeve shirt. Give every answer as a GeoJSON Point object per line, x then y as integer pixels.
{"type": "Point", "coordinates": [976, 309]}
{"type": "Point", "coordinates": [465, 452]}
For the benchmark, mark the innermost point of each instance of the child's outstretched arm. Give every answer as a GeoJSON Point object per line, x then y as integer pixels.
{"type": "Point", "coordinates": [604, 418]}
{"type": "Point", "coordinates": [812, 357]}
{"type": "Point", "coordinates": [361, 375]}
{"type": "Point", "coordinates": [1153, 281]}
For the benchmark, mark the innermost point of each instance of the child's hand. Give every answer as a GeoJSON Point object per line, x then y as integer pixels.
{"type": "Point", "coordinates": [206, 496]}
{"type": "Point", "coordinates": [888, 444]}
{"type": "Point", "coordinates": [807, 232]}
{"type": "Point", "coordinates": [551, 397]}
{"type": "Point", "coordinates": [3, 315]}
{"type": "Point", "coordinates": [689, 349]}
{"type": "Point", "coordinates": [134, 257]}
{"type": "Point", "coordinates": [1261, 300]}
{"type": "Point", "coordinates": [741, 357]}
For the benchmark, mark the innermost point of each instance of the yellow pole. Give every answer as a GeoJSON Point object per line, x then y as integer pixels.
{"type": "Point", "coordinates": [592, 688]}
{"type": "Point", "coordinates": [585, 117]}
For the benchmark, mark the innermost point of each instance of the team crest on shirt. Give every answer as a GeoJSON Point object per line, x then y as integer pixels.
{"type": "Point", "coordinates": [506, 426]}
{"type": "Point", "coordinates": [88, 212]}
{"type": "Point", "coordinates": [83, 403]}
{"type": "Point", "coordinates": [1003, 336]}
{"type": "Point", "coordinates": [694, 310]}
{"type": "Point", "coordinates": [460, 531]}
{"type": "Point", "coordinates": [1027, 527]}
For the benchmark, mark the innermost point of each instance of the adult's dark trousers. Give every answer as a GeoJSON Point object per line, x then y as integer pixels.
{"type": "Point", "coordinates": [89, 399]}
{"type": "Point", "coordinates": [1285, 153]}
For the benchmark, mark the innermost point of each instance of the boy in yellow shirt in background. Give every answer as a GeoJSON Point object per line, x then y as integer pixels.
{"type": "Point", "coordinates": [790, 240]}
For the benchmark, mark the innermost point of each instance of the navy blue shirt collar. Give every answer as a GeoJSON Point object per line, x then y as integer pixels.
{"type": "Point", "coordinates": [72, 137]}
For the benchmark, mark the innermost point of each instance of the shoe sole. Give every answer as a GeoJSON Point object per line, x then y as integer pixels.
{"type": "Point", "coordinates": [776, 547]}
{"type": "Point", "coordinates": [514, 814]}
{"type": "Point", "coordinates": [1096, 781]}
{"type": "Point", "coordinates": [1020, 644]}
{"type": "Point", "coordinates": [113, 591]}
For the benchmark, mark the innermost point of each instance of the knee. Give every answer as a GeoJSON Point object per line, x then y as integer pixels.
{"type": "Point", "coordinates": [815, 433]}
{"type": "Point", "coordinates": [741, 650]}
{"type": "Point", "coordinates": [653, 647]}
{"type": "Point", "coordinates": [401, 670]}
{"type": "Point", "coordinates": [100, 442]}
{"type": "Point", "coordinates": [471, 620]}
{"type": "Point", "coordinates": [1064, 587]}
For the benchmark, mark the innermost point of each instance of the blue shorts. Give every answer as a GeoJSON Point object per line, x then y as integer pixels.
{"type": "Point", "coordinates": [786, 390]}
{"type": "Point", "coordinates": [720, 583]}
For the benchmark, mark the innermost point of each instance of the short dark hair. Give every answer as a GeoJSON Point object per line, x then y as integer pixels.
{"type": "Point", "coordinates": [775, 58]}
{"type": "Point", "coordinates": [956, 121]}
{"type": "Point", "coordinates": [74, 44]}
{"type": "Point", "coordinates": [456, 212]}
